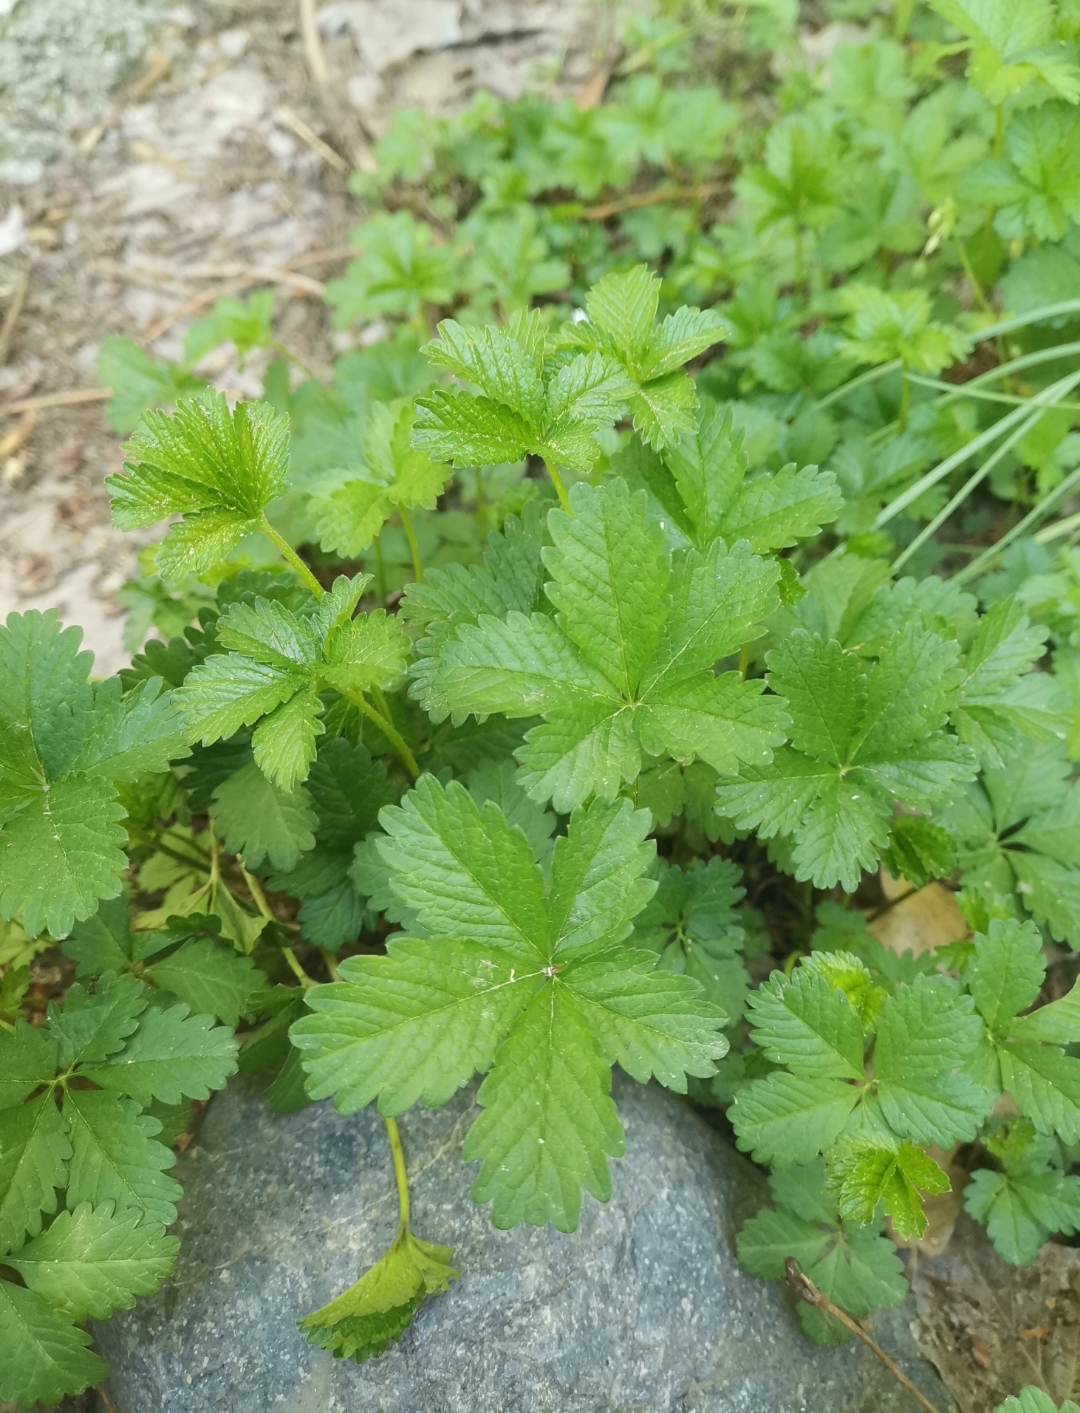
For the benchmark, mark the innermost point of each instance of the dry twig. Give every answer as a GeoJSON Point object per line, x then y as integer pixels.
{"type": "Point", "coordinates": [295, 123]}
{"type": "Point", "coordinates": [58, 399]}
{"type": "Point", "coordinates": [11, 318]}
{"type": "Point", "coordinates": [313, 45]}
{"type": "Point", "coordinates": [651, 198]}
{"type": "Point", "coordinates": [804, 1289]}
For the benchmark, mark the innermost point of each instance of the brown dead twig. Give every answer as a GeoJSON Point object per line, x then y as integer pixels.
{"type": "Point", "coordinates": [803, 1288]}
{"type": "Point", "coordinates": [638, 199]}
{"type": "Point", "coordinates": [286, 118]}
{"type": "Point", "coordinates": [11, 318]}
{"type": "Point", "coordinates": [58, 399]}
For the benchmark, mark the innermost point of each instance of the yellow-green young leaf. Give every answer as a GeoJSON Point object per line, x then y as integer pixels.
{"type": "Point", "coordinates": [42, 1355]}
{"type": "Point", "coordinates": [396, 475]}
{"type": "Point", "coordinates": [94, 1260]}
{"type": "Point", "coordinates": [379, 1308]}
{"type": "Point", "coordinates": [863, 1173]}
{"type": "Point", "coordinates": [218, 468]}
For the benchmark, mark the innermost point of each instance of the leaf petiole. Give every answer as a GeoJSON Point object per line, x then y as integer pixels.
{"type": "Point", "coordinates": [560, 488]}
{"type": "Point", "coordinates": [400, 1174]}
{"type": "Point", "coordinates": [289, 554]}
{"type": "Point", "coordinates": [414, 548]}
{"type": "Point", "coordinates": [388, 729]}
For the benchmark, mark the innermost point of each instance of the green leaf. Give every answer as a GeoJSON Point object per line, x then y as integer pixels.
{"type": "Point", "coordinates": [34, 1151]}
{"type": "Point", "coordinates": [29, 1057]}
{"type": "Point", "coordinates": [1006, 973]}
{"type": "Point", "coordinates": [925, 1032]}
{"type": "Point", "coordinates": [864, 1173]}
{"type": "Point", "coordinates": [42, 1355]}
{"type": "Point", "coordinates": [173, 1055]}
{"type": "Point", "coordinates": [772, 511]}
{"type": "Point", "coordinates": [789, 1119]}
{"type": "Point", "coordinates": [93, 1261]}
{"type": "Point", "coordinates": [138, 382]}
{"type": "Point", "coordinates": [114, 1157]}
{"type": "Point", "coordinates": [919, 850]}
{"type": "Point", "coordinates": [548, 1122]}
{"type": "Point", "coordinates": [621, 311]}
{"type": "Point", "coordinates": [260, 820]}
{"type": "Point", "coordinates": [379, 1308]}
{"type": "Point", "coordinates": [802, 1022]}
{"type": "Point", "coordinates": [864, 736]}
{"type": "Point", "coordinates": [398, 272]}
{"type": "Point", "coordinates": [103, 942]}
{"type": "Point", "coordinates": [1034, 1400]}
{"type": "Point", "coordinates": [1020, 1210]}
{"type": "Point", "coordinates": [396, 475]}
{"type": "Point", "coordinates": [209, 978]}
{"type": "Point", "coordinates": [627, 662]}
{"type": "Point", "coordinates": [218, 468]}
{"type": "Point", "coordinates": [245, 323]}
{"type": "Point", "coordinates": [521, 979]}
{"type": "Point", "coordinates": [888, 324]}
{"type": "Point", "coordinates": [856, 1267]}
{"type": "Point", "coordinates": [91, 1025]}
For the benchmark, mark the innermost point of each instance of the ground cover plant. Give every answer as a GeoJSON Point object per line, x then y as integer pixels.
{"type": "Point", "coordinates": [689, 540]}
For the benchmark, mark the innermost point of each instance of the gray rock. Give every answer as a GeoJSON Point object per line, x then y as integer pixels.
{"type": "Point", "coordinates": [643, 1310]}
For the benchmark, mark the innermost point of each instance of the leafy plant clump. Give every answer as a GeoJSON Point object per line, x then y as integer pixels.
{"type": "Point", "coordinates": [681, 563]}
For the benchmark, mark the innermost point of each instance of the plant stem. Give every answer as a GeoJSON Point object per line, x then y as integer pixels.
{"type": "Point", "coordinates": [331, 965]}
{"type": "Point", "coordinates": [258, 897]}
{"type": "Point", "coordinates": [800, 277]}
{"type": "Point", "coordinates": [744, 660]}
{"type": "Point", "coordinates": [557, 482]}
{"type": "Point", "coordinates": [414, 548]}
{"type": "Point", "coordinates": [297, 970]}
{"type": "Point", "coordinates": [380, 569]}
{"type": "Point", "coordinates": [289, 554]}
{"type": "Point", "coordinates": [480, 505]}
{"type": "Point", "coordinates": [905, 402]}
{"type": "Point", "coordinates": [287, 352]}
{"type": "Point", "coordinates": [999, 128]}
{"type": "Point", "coordinates": [400, 1175]}
{"type": "Point", "coordinates": [804, 1289]}
{"type": "Point", "coordinates": [973, 279]}
{"type": "Point", "coordinates": [390, 731]}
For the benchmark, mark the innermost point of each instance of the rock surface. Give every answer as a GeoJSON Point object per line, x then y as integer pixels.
{"type": "Point", "coordinates": [643, 1310]}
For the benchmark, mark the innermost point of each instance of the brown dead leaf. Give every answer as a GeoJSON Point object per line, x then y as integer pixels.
{"type": "Point", "coordinates": [591, 92]}
{"type": "Point", "coordinates": [990, 1329]}
{"type": "Point", "coordinates": [926, 919]}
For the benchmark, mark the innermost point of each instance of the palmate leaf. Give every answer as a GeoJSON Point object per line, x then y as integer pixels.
{"type": "Point", "coordinates": [397, 271]}
{"type": "Point", "coordinates": [361, 1323]}
{"type": "Point", "coordinates": [93, 1260]}
{"type": "Point", "coordinates": [218, 468]}
{"type": "Point", "coordinates": [862, 737]}
{"type": "Point", "coordinates": [63, 743]}
{"type": "Point", "coordinates": [863, 1173]}
{"type": "Point", "coordinates": [259, 820]}
{"type": "Point", "coordinates": [701, 482]}
{"type": "Point", "coordinates": [521, 979]}
{"type": "Point", "coordinates": [621, 325]}
{"type": "Point", "coordinates": [522, 408]}
{"type": "Point", "coordinates": [853, 1264]}
{"type": "Point", "coordinates": [278, 662]}
{"type": "Point", "coordinates": [627, 663]}
{"type": "Point", "coordinates": [397, 475]}
{"type": "Point", "coordinates": [1018, 834]}
{"type": "Point", "coordinates": [138, 382]}
{"type": "Point", "coordinates": [42, 1355]}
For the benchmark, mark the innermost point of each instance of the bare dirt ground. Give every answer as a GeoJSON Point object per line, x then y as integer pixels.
{"type": "Point", "coordinates": [218, 164]}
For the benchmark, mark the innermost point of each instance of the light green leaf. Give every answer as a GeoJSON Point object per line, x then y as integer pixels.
{"type": "Point", "coordinates": [93, 1261]}
{"type": "Point", "coordinates": [864, 1173]}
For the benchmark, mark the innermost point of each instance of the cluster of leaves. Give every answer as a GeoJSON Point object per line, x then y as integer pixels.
{"type": "Point", "coordinates": [598, 629]}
